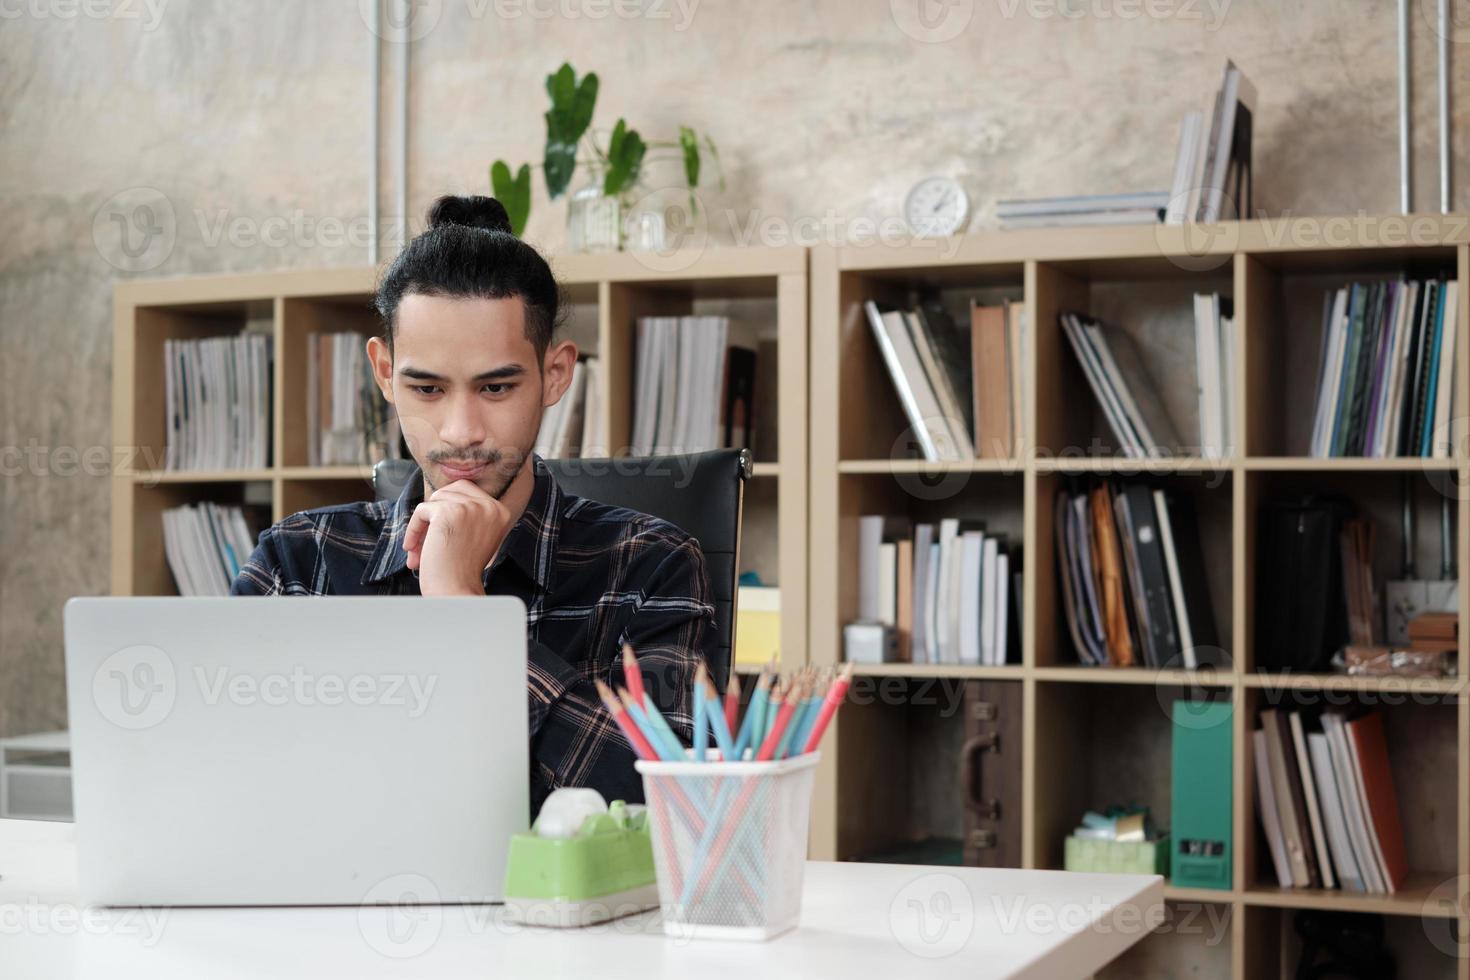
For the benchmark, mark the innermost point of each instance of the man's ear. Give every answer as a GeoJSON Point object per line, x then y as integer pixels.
{"type": "Point", "coordinates": [556, 372]}
{"type": "Point", "coordinates": [381, 359]}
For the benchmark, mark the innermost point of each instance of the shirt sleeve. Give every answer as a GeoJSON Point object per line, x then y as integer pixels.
{"type": "Point", "coordinates": [261, 573]}
{"type": "Point", "coordinates": [574, 741]}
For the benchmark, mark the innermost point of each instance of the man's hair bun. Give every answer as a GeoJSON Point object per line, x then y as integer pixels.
{"type": "Point", "coordinates": [474, 211]}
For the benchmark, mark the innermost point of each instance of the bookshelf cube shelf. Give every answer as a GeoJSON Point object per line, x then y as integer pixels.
{"type": "Point", "coordinates": [762, 289]}
{"type": "Point", "coordinates": [1146, 300]}
{"type": "Point", "coordinates": [1143, 278]}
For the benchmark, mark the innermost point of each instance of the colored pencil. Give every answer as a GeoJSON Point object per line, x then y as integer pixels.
{"type": "Point", "coordinates": [732, 701]}
{"type": "Point", "coordinates": [669, 750]}
{"type": "Point", "coordinates": [788, 706]}
{"type": "Point", "coordinates": [635, 738]}
{"type": "Point", "coordinates": [785, 747]}
{"type": "Point", "coordinates": [830, 703]}
{"type": "Point", "coordinates": [809, 709]}
{"type": "Point", "coordinates": [752, 719]}
{"type": "Point", "coordinates": [656, 719]}
{"type": "Point", "coordinates": [632, 674]}
{"type": "Point", "coordinates": [701, 723]}
{"type": "Point", "coordinates": [717, 721]}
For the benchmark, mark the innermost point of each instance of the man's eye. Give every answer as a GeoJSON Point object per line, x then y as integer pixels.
{"type": "Point", "coordinates": [498, 389]}
{"type": "Point", "coordinates": [424, 389]}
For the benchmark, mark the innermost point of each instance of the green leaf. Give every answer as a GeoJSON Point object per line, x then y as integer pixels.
{"type": "Point", "coordinates": [572, 103]}
{"type": "Point", "coordinates": [515, 194]}
{"type": "Point", "coordinates": [624, 158]}
{"type": "Point", "coordinates": [690, 144]}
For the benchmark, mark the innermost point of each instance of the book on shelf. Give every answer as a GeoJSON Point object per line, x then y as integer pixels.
{"type": "Point", "coordinates": [1121, 386]}
{"type": "Point", "coordinates": [217, 401]}
{"type": "Point", "coordinates": [693, 390]}
{"type": "Point", "coordinates": [1093, 209]}
{"type": "Point", "coordinates": [1326, 801]}
{"type": "Point", "coordinates": [348, 421]}
{"type": "Point", "coordinates": [1132, 574]}
{"type": "Point", "coordinates": [961, 387]}
{"type": "Point", "coordinates": [205, 545]}
{"type": "Point", "coordinates": [949, 590]}
{"type": "Point", "coordinates": [1212, 164]}
{"type": "Point", "coordinates": [573, 426]}
{"type": "Point", "coordinates": [1214, 346]}
{"type": "Point", "coordinates": [1386, 370]}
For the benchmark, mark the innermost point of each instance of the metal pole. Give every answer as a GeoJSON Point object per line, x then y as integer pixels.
{"type": "Point", "coordinates": [1444, 106]}
{"type": "Point", "coordinates": [402, 137]}
{"type": "Point", "coordinates": [1405, 199]}
{"type": "Point", "coordinates": [374, 107]}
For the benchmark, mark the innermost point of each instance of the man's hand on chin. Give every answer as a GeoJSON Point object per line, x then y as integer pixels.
{"type": "Point", "coordinates": [452, 536]}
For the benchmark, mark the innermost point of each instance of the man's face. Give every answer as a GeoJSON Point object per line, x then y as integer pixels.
{"type": "Point", "coordinates": [468, 387]}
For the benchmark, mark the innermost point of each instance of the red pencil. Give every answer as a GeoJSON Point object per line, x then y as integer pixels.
{"type": "Point", "coordinates": [783, 718]}
{"type": "Point", "coordinates": [835, 694]}
{"type": "Point", "coordinates": [630, 729]}
{"type": "Point", "coordinates": [732, 703]}
{"type": "Point", "coordinates": [632, 675]}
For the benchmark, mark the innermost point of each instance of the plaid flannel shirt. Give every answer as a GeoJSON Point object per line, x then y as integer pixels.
{"type": "Point", "coordinates": [591, 576]}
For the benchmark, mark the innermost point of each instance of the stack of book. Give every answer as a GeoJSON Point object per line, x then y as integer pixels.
{"type": "Point", "coordinates": [1128, 395]}
{"type": "Point", "coordinates": [348, 422]}
{"type": "Point", "coordinates": [962, 389]}
{"type": "Point", "coordinates": [1325, 797]}
{"type": "Point", "coordinates": [1134, 590]}
{"type": "Point", "coordinates": [1386, 370]}
{"type": "Point", "coordinates": [217, 395]}
{"type": "Point", "coordinates": [1143, 208]}
{"type": "Point", "coordinates": [950, 592]}
{"type": "Point", "coordinates": [573, 426]}
{"type": "Point", "coordinates": [693, 390]}
{"type": "Point", "coordinates": [1212, 167]}
{"type": "Point", "coordinates": [205, 545]}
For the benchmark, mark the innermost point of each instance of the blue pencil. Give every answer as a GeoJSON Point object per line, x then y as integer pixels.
{"type": "Point", "coordinates": [754, 722]}
{"type": "Point", "coordinates": [701, 721]}
{"type": "Point", "coordinates": [656, 719]}
{"type": "Point", "coordinates": [667, 747]}
{"type": "Point", "coordinates": [714, 712]}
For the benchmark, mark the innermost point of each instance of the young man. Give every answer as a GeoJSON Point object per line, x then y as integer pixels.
{"type": "Point", "coordinates": [470, 362]}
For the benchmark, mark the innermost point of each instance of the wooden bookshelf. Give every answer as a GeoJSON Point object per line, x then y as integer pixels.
{"type": "Point", "coordinates": [1093, 736]}
{"type": "Point", "coordinates": [763, 290]}
{"type": "Point", "coordinates": [838, 423]}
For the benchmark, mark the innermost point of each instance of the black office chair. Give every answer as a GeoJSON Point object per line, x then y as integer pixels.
{"type": "Point", "coordinates": [703, 493]}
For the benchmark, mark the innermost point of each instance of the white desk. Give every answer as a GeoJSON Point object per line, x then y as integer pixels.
{"type": "Point", "coordinates": [858, 921]}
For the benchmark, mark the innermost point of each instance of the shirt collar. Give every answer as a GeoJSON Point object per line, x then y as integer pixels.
{"type": "Point", "coordinates": [530, 545]}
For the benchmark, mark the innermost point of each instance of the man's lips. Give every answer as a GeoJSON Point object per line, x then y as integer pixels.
{"type": "Point", "coordinates": [463, 471]}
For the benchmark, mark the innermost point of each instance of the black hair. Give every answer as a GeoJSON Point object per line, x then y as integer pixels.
{"type": "Point", "coordinates": [470, 251]}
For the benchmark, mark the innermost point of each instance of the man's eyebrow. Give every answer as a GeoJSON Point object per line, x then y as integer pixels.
{"type": "Point", "coordinates": [495, 374]}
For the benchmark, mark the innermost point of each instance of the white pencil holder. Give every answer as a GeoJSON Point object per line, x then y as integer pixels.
{"type": "Point", "coordinates": [729, 844]}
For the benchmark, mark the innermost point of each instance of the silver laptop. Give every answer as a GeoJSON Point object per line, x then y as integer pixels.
{"type": "Point", "coordinates": [288, 751]}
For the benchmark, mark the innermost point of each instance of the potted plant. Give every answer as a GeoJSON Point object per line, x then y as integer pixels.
{"type": "Point", "coordinates": [594, 217]}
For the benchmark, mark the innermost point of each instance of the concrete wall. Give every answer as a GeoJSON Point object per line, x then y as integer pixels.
{"type": "Point", "coordinates": [244, 124]}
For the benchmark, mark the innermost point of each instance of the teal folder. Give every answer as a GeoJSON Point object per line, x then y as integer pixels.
{"type": "Point", "coordinates": [1202, 809]}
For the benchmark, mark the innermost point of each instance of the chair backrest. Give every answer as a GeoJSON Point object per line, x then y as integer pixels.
{"type": "Point", "coordinates": [703, 493]}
